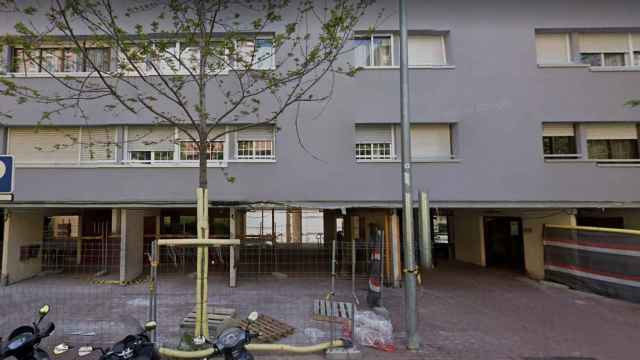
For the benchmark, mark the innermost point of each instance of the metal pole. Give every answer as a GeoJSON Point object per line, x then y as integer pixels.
{"type": "Point", "coordinates": [410, 271]}
{"type": "Point", "coordinates": [155, 259]}
{"type": "Point", "coordinates": [426, 256]}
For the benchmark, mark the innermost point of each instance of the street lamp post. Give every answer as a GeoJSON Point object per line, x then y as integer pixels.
{"type": "Point", "coordinates": [410, 269]}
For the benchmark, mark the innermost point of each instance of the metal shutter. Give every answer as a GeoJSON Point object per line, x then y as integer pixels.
{"type": "Point", "coordinates": [150, 138]}
{"type": "Point", "coordinates": [606, 42]}
{"type": "Point", "coordinates": [426, 50]}
{"type": "Point", "coordinates": [552, 48]}
{"type": "Point", "coordinates": [430, 141]}
{"type": "Point", "coordinates": [373, 134]}
{"type": "Point", "coordinates": [262, 132]}
{"type": "Point", "coordinates": [611, 131]}
{"type": "Point", "coordinates": [216, 131]}
{"type": "Point", "coordinates": [44, 144]}
{"type": "Point", "coordinates": [558, 129]}
{"type": "Point", "coordinates": [98, 144]}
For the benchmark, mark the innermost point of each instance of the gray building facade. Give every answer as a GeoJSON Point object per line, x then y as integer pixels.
{"type": "Point", "coordinates": [490, 90]}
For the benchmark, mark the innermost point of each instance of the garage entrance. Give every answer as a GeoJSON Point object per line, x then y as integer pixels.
{"type": "Point", "coordinates": [504, 245]}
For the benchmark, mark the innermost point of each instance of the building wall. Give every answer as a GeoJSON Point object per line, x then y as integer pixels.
{"type": "Point", "coordinates": [496, 94]}
{"type": "Point", "coordinates": [21, 228]}
{"type": "Point", "coordinates": [468, 230]}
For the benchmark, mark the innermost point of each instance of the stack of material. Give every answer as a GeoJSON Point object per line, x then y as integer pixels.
{"type": "Point", "coordinates": [216, 314]}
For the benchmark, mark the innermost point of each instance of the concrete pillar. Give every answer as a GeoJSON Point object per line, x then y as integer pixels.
{"type": "Point", "coordinates": [131, 244]}
{"type": "Point", "coordinates": [21, 229]}
{"type": "Point", "coordinates": [469, 236]}
{"type": "Point", "coordinates": [574, 47]}
{"type": "Point", "coordinates": [115, 221]}
{"type": "Point", "coordinates": [233, 251]}
{"type": "Point", "coordinates": [396, 250]}
{"type": "Point", "coordinates": [296, 225]}
{"type": "Point", "coordinates": [532, 229]}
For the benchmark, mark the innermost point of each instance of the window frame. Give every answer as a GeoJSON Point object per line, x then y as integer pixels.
{"type": "Point", "coordinates": [253, 156]}
{"type": "Point", "coordinates": [371, 49]}
{"type": "Point", "coordinates": [636, 148]}
{"type": "Point", "coordinates": [223, 151]}
{"type": "Point", "coordinates": [152, 157]}
{"type": "Point", "coordinates": [64, 50]}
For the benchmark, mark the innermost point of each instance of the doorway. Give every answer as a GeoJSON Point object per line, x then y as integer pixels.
{"type": "Point", "coordinates": [504, 244]}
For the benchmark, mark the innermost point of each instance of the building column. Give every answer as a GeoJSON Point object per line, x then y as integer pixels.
{"type": "Point", "coordinates": [23, 234]}
{"type": "Point", "coordinates": [533, 237]}
{"type": "Point", "coordinates": [131, 244]}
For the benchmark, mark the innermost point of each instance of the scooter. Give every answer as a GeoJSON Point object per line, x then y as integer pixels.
{"type": "Point", "coordinates": [135, 347]}
{"type": "Point", "coordinates": [232, 340]}
{"type": "Point", "coordinates": [23, 342]}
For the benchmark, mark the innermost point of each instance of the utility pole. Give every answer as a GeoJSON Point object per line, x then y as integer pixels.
{"type": "Point", "coordinates": [410, 271]}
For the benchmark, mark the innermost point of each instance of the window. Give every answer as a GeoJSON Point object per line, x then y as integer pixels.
{"type": "Point", "coordinates": [373, 151]}
{"type": "Point", "coordinates": [559, 140]}
{"type": "Point", "coordinates": [374, 142]}
{"type": "Point", "coordinates": [150, 143]}
{"type": "Point", "coordinates": [427, 50]}
{"type": "Point", "coordinates": [612, 141]}
{"type": "Point", "coordinates": [150, 156]}
{"type": "Point", "coordinates": [605, 59]}
{"type": "Point", "coordinates": [98, 143]}
{"type": "Point", "coordinates": [255, 54]}
{"type": "Point", "coordinates": [553, 48]}
{"type": "Point", "coordinates": [44, 144]}
{"type": "Point", "coordinates": [375, 50]}
{"type": "Point", "coordinates": [189, 151]}
{"type": "Point", "coordinates": [55, 60]}
{"type": "Point", "coordinates": [605, 49]}
{"type": "Point", "coordinates": [431, 141]}
{"type": "Point", "coordinates": [256, 143]}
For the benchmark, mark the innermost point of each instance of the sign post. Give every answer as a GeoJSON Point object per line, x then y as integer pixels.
{"type": "Point", "coordinates": [7, 179]}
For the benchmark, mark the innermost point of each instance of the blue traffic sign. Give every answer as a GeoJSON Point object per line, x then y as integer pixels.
{"type": "Point", "coordinates": [6, 174]}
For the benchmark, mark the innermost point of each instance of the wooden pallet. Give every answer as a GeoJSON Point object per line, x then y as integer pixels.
{"type": "Point", "coordinates": [269, 329]}
{"type": "Point", "coordinates": [333, 311]}
{"type": "Point", "coordinates": [216, 315]}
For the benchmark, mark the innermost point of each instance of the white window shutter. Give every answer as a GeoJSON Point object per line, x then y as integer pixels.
{"type": "Point", "coordinates": [150, 138]}
{"type": "Point", "coordinates": [611, 131]}
{"type": "Point", "coordinates": [368, 134]}
{"type": "Point", "coordinates": [558, 129]}
{"type": "Point", "coordinates": [44, 144]}
{"type": "Point", "coordinates": [430, 141]}
{"type": "Point", "coordinates": [426, 50]}
{"type": "Point", "coordinates": [261, 132]}
{"type": "Point", "coordinates": [212, 134]}
{"type": "Point", "coordinates": [98, 144]}
{"type": "Point", "coordinates": [604, 42]}
{"type": "Point", "coordinates": [552, 48]}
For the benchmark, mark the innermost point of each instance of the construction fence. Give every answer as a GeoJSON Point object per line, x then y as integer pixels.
{"type": "Point", "coordinates": [600, 260]}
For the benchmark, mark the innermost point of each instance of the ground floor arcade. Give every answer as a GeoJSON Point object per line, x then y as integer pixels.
{"type": "Point", "coordinates": [114, 243]}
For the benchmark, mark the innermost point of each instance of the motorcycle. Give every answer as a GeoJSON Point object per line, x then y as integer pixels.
{"type": "Point", "coordinates": [23, 342]}
{"type": "Point", "coordinates": [134, 347]}
{"type": "Point", "coordinates": [231, 339]}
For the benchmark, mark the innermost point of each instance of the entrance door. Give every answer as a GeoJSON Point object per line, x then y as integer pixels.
{"type": "Point", "coordinates": [504, 245]}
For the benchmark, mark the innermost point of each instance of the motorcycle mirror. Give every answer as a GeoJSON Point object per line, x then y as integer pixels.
{"type": "Point", "coordinates": [49, 330]}
{"type": "Point", "coordinates": [61, 349]}
{"type": "Point", "coordinates": [253, 317]}
{"type": "Point", "coordinates": [85, 350]}
{"type": "Point", "coordinates": [150, 325]}
{"type": "Point", "coordinates": [44, 310]}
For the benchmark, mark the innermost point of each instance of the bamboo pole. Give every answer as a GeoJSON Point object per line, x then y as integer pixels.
{"type": "Point", "coordinates": [591, 228]}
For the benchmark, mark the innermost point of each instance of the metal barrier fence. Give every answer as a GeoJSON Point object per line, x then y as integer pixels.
{"type": "Point", "coordinates": [601, 260]}
{"type": "Point", "coordinates": [79, 278]}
